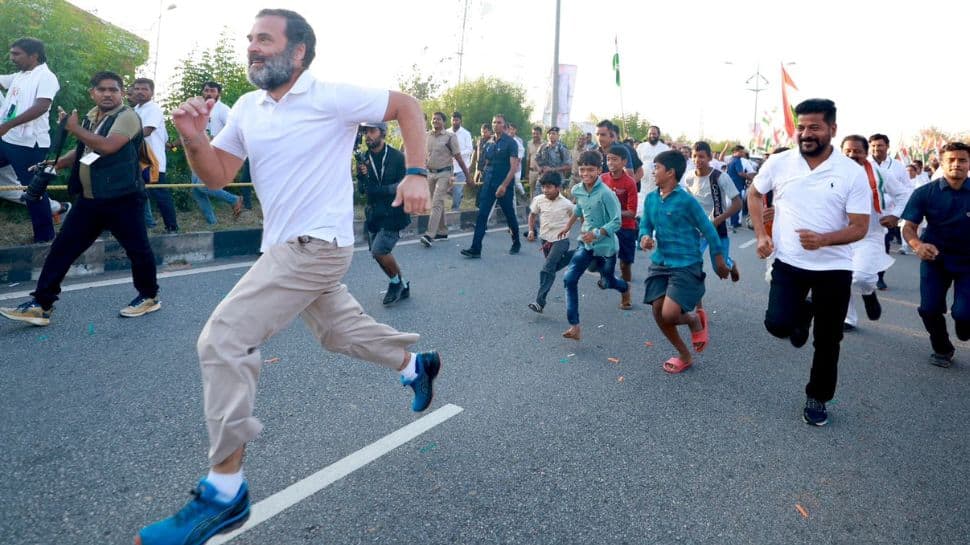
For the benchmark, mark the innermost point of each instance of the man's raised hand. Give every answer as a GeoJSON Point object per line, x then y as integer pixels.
{"type": "Point", "coordinates": [192, 117]}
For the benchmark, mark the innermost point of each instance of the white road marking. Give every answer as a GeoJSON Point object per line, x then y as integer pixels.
{"type": "Point", "coordinates": [297, 492]}
{"type": "Point", "coordinates": [748, 244]}
{"type": "Point", "coordinates": [198, 270]}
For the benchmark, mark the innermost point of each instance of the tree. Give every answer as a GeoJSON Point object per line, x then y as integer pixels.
{"type": "Point", "coordinates": [77, 43]}
{"type": "Point", "coordinates": [420, 86]}
{"type": "Point", "coordinates": [221, 64]}
{"type": "Point", "coordinates": [480, 99]}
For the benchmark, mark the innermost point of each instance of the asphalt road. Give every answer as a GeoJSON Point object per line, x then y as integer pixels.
{"type": "Point", "coordinates": [102, 428]}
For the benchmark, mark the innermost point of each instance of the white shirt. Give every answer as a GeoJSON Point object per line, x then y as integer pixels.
{"type": "Point", "coordinates": [897, 170]}
{"type": "Point", "coordinates": [921, 178]}
{"type": "Point", "coordinates": [23, 90]}
{"type": "Point", "coordinates": [299, 155]}
{"type": "Point", "coordinates": [818, 200]}
{"type": "Point", "coordinates": [521, 155]}
{"type": "Point", "coordinates": [466, 146]}
{"type": "Point", "coordinates": [217, 118]}
{"type": "Point", "coordinates": [151, 116]}
{"type": "Point", "coordinates": [895, 192]}
{"type": "Point", "coordinates": [700, 188]}
{"type": "Point", "coordinates": [647, 152]}
{"type": "Point", "coordinates": [553, 215]}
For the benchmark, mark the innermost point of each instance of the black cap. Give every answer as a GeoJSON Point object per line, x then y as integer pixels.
{"type": "Point", "coordinates": [552, 129]}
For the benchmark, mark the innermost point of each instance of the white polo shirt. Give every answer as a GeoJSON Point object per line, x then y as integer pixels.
{"type": "Point", "coordinates": [217, 118]}
{"type": "Point", "coordinates": [151, 116]}
{"type": "Point", "coordinates": [23, 89]}
{"type": "Point", "coordinates": [818, 200]}
{"type": "Point", "coordinates": [299, 155]}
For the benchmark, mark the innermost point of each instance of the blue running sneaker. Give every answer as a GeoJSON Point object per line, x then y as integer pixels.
{"type": "Point", "coordinates": [815, 413]}
{"type": "Point", "coordinates": [201, 519]}
{"type": "Point", "coordinates": [428, 365]}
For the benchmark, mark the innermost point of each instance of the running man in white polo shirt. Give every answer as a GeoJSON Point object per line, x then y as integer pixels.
{"type": "Point", "coordinates": [822, 204]}
{"type": "Point", "coordinates": [297, 133]}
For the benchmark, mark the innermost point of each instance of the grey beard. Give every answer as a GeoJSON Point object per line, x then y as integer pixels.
{"type": "Point", "coordinates": [276, 71]}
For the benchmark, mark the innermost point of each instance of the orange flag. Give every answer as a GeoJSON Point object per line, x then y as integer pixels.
{"type": "Point", "coordinates": [789, 112]}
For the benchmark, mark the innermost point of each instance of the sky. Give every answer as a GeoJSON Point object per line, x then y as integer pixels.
{"type": "Point", "coordinates": [684, 65]}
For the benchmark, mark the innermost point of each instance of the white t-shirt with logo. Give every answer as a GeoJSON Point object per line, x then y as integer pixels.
{"type": "Point", "coordinates": [299, 155]}
{"type": "Point", "coordinates": [151, 116]}
{"type": "Point", "coordinates": [818, 200]}
{"type": "Point", "coordinates": [700, 188]}
{"type": "Point", "coordinates": [23, 90]}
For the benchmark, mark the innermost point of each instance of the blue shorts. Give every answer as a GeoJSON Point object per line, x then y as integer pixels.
{"type": "Point", "coordinates": [628, 245]}
{"type": "Point", "coordinates": [725, 249]}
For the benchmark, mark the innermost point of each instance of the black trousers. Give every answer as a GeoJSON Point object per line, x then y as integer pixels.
{"type": "Point", "coordinates": [788, 310]}
{"type": "Point", "coordinates": [935, 279]}
{"type": "Point", "coordinates": [124, 217]}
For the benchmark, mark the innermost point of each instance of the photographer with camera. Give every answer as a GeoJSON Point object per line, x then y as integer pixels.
{"type": "Point", "coordinates": [379, 170]}
{"type": "Point", "coordinates": [106, 178]}
{"type": "Point", "coordinates": [24, 129]}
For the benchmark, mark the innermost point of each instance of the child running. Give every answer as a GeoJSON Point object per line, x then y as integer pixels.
{"type": "Point", "coordinates": [625, 188]}
{"type": "Point", "coordinates": [553, 212]}
{"type": "Point", "coordinates": [600, 210]}
{"type": "Point", "coordinates": [670, 224]}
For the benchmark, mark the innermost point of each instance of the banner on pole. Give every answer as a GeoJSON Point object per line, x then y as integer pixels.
{"type": "Point", "coordinates": [567, 85]}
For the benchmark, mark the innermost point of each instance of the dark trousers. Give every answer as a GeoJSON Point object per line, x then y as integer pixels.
{"type": "Point", "coordinates": [557, 257]}
{"type": "Point", "coordinates": [486, 201]}
{"type": "Point", "coordinates": [166, 205]}
{"type": "Point", "coordinates": [21, 158]}
{"type": "Point", "coordinates": [893, 233]}
{"type": "Point", "coordinates": [788, 310]}
{"type": "Point", "coordinates": [124, 217]}
{"type": "Point", "coordinates": [935, 278]}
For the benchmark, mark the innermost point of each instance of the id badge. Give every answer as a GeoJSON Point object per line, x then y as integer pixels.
{"type": "Point", "coordinates": [90, 158]}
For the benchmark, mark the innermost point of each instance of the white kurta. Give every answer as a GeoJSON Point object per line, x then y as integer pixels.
{"type": "Point", "coordinates": [869, 254]}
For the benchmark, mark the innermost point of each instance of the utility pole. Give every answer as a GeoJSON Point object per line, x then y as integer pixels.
{"type": "Point", "coordinates": [555, 73]}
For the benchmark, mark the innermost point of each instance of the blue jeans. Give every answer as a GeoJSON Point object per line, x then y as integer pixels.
{"type": "Point", "coordinates": [581, 260]}
{"type": "Point", "coordinates": [21, 158]}
{"type": "Point", "coordinates": [486, 200]}
{"type": "Point", "coordinates": [202, 194]}
{"type": "Point", "coordinates": [166, 206]}
{"type": "Point", "coordinates": [935, 279]}
{"type": "Point", "coordinates": [458, 189]}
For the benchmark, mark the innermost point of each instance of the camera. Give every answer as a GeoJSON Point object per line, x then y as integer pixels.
{"type": "Point", "coordinates": [44, 174]}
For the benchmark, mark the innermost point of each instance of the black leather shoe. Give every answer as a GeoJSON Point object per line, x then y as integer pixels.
{"type": "Point", "coordinates": [468, 253]}
{"type": "Point", "coordinates": [516, 246]}
{"type": "Point", "coordinates": [873, 308]}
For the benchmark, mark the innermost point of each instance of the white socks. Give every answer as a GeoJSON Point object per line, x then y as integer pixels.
{"type": "Point", "coordinates": [410, 372]}
{"type": "Point", "coordinates": [227, 484]}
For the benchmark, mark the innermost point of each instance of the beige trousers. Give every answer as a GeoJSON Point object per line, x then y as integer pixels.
{"type": "Point", "coordinates": [438, 184]}
{"type": "Point", "coordinates": [295, 278]}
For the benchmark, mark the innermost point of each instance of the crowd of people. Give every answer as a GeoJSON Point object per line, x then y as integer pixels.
{"type": "Point", "coordinates": [821, 215]}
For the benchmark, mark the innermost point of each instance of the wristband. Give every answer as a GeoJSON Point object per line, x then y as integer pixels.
{"type": "Point", "coordinates": [416, 171]}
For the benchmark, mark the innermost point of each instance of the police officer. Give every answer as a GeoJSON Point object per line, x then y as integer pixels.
{"type": "Point", "coordinates": [379, 170]}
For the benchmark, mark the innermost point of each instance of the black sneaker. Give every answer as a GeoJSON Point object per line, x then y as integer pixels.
{"type": "Point", "coordinates": [441, 237]}
{"type": "Point", "coordinates": [427, 366]}
{"type": "Point", "coordinates": [516, 246]}
{"type": "Point", "coordinates": [814, 413]}
{"type": "Point", "coordinates": [848, 328]}
{"type": "Point", "coordinates": [881, 285]}
{"type": "Point", "coordinates": [468, 253]}
{"type": "Point", "coordinates": [942, 360]}
{"type": "Point", "coordinates": [535, 307]}
{"type": "Point", "coordinates": [426, 241]}
{"type": "Point", "coordinates": [394, 293]}
{"type": "Point", "coordinates": [873, 308]}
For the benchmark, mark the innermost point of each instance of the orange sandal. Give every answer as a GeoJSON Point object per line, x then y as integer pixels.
{"type": "Point", "coordinates": [701, 337]}
{"type": "Point", "coordinates": [676, 365]}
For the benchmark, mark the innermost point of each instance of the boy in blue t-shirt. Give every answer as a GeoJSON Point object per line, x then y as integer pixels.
{"type": "Point", "coordinates": [669, 225]}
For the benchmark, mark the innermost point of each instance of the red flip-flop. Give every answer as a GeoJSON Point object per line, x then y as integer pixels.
{"type": "Point", "coordinates": [701, 337]}
{"type": "Point", "coordinates": [675, 365]}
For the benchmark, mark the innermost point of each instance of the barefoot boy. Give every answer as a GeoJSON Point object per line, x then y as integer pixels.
{"type": "Point", "coordinates": [553, 212]}
{"type": "Point", "coordinates": [670, 224]}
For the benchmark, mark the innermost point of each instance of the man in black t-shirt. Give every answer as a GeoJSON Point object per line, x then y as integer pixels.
{"type": "Point", "coordinates": [377, 178]}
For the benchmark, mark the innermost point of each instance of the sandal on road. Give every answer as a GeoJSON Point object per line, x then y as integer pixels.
{"type": "Point", "coordinates": [676, 365]}
{"type": "Point", "coordinates": [700, 338]}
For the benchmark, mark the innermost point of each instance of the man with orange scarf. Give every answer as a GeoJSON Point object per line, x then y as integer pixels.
{"type": "Point", "coordinates": [889, 197]}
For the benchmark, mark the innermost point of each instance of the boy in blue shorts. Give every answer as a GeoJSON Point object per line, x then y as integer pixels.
{"type": "Point", "coordinates": [625, 188]}
{"type": "Point", "coordinates": [670, 224]}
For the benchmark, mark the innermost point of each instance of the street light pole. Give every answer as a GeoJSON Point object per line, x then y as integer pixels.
{"type": "Point", "coordinates": [554, 120]}
{"type": "Point", "coordinates": [158, 35]}
{"type": "Point", "coordinates": [758, 80]}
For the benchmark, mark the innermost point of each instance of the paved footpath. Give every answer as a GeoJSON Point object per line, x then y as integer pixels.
{"type": "Point", "coordinates": [531, 439]}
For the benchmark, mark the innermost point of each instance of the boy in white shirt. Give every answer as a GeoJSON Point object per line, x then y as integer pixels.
{"type": "Point", "coordinates": [553, 212]}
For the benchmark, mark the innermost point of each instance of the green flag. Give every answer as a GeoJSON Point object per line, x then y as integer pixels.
{"type": "Point", "coordinates": [616, 67]}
